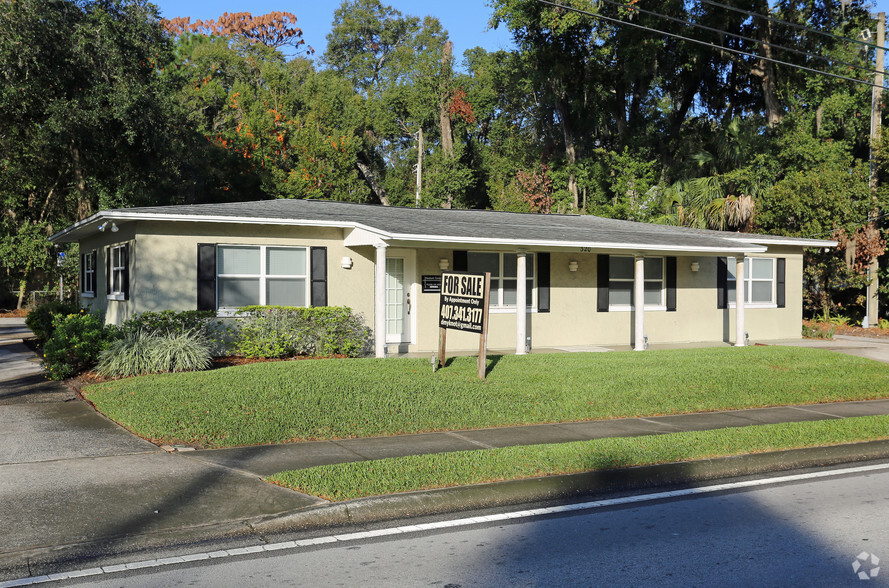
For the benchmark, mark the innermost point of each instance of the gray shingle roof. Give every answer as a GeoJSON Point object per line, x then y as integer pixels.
{"type": "Point", "coordinates": [435, 224]}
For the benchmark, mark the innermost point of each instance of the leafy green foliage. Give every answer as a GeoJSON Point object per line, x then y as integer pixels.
{"type": "Point", "coordinates": [275, 402]}
{"type": "Point", "coordinates": [75, 345]}
{"type": "Point", "coordinates": [288, 331]}
{"type": "Point", "coordinates": [348, 481]}
{"type": "Point", "coordinates": [140, 352]}
{"type": "Point", "coordinates": [41, 319]}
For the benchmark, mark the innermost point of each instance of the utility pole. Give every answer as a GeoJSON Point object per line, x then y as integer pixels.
{"type": "Point", "coordinates": [872, 314]}
{"type": "Point", "coordinates": [419, 166]}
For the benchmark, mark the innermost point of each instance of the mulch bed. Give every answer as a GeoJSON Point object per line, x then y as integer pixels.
{"type": "Point", "coordinates": [850, 330]}
{"type": "Point", "coordinates": [13, 313]}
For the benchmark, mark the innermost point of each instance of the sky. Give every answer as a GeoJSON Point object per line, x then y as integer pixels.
{"type": "Point", "coordinates": [465, 20]}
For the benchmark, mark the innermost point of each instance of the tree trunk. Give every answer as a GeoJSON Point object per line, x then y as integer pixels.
{"type": "Point", "coordinates": [84, 208]}
{"type": "Point", "coordinates": [765, 70]}
{"type": "Point", "coordinates": [444, 117]}
{"type": "Point", "coordinates": [570, 151]}
{"type": "Point", "coordinates": [22, 285]}
{"type": "Point", "coordinates": [368, 174]}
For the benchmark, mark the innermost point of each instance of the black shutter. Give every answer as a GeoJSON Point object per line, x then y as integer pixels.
{"type": "Point", "coordinates": [602, 269]}
{"type": "Point", "coordinates": [543, 282]}
{"type": "Point", "coordinates": [461, 261]}
{"type": "Point", "coordinates": [721, 283]}
{"type": "Point", "coordinates": [107, 270]}
{"type": "Point", "coordinates": [670, 269]}
{"type": "Point", "coordinates": [95, 261]}
{"type": "Point", "coordinates": [779, 284]}
{"type": "Point", "coordinates": [319, 276]}
{"type": "Point", "coordinates": [206, 276]}
{"type": "Point", "coordinates": [125, 274]}
{"type": "Point", "coordinates": [83, 272]}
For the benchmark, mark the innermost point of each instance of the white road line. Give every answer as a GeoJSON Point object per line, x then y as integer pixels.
{"type": "Point", "coordinates": [507, 516]}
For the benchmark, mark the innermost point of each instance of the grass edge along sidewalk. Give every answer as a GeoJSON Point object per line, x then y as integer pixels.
{"type": "Point", "coordinates": [352, 398]}
{"type": "Point", "coordinates": [348, 481]}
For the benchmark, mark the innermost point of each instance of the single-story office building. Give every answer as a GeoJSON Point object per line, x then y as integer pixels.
{"type": "Point", "coordinates": [582, 280]}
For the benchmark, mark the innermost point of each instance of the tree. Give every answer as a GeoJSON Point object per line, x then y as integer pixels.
{"type": "Point", "coordinates": [84, 117]}
{"type": "Point", "coordinates": [395, 62]}
{"type": "Point", "coordinates": [275, 29]}
{"type": "Point", "coordinates": [275, 128]}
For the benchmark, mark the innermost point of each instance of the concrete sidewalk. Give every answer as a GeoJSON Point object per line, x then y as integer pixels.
{"type": "Point", "coordinates": [76, 488]}
{"type": "Point", "coordinates": [264, 460]}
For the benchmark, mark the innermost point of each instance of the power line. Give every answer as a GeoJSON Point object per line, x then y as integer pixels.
{"type": "Point", "coordinates": [706, 44]}
{"type": "Point", "coordinates": [852, 224]}
{"type": "Point", "coordinates": [741, 37]}
{"type": "Point", "coordinates": [791, 24]}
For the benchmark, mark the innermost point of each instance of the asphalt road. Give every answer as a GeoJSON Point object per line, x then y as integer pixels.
{"type": "Point", "coordinates": [800, 533]}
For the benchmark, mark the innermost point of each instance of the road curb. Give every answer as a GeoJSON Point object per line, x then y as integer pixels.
{"type": "Point", "coordinates": [497, 494]}
{"type": "Point", "coordinates": [319, 519]}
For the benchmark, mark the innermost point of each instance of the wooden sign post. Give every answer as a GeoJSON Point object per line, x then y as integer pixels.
{"type": "Point", "coordinates": [463, 305]}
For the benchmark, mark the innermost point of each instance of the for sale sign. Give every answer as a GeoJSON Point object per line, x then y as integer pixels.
{"type": "Point", "coordinates": [462, 302]}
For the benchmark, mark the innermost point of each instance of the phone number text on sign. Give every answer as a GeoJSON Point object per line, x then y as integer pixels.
{"type": "Point", "coordinates": [462, 302]}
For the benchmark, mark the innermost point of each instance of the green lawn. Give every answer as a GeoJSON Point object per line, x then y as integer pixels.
{"type": "Point", "coordinates": [347, 481]}
{"type": "Point", "coordinates": [327, 399]}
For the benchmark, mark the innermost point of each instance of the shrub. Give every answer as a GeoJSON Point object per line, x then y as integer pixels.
{"type": "Point", "coordinates": [40, 320]}
{"type": "Point", "coordinates": [143, 352]}
{"type": "Point", "coordinates": [168, 322]}
{"type": "Point", "coordinates": [286, 331]}
{"type": "Point", "coordinates": [75, 344]}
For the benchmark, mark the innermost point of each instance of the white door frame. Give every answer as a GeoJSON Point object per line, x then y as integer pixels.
{"type": "Point", "coordinates": [410, 289]}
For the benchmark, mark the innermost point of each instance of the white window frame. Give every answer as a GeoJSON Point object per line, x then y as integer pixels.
{"type": "Point", "coordinates": [732, 265]}
{"type": "Point", "coordinates": [263, 275]}
{"type": "Point", "coordinates": [501, 308]}
{"type": "Point", "coordinates": [89, 275]}
{"type": "Point", "coordinates": [631, 306]}
{"type": "Point", "coordinates": [117, 268]}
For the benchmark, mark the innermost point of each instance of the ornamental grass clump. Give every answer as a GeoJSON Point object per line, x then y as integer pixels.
{"type": "Point", "coordinates": [143, 352]}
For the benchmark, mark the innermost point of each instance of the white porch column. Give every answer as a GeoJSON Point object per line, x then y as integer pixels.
{"type": "Point", "coordinates": [521, 302]}
{"type": "Point", "coordinates": [380, 301]}
{"type": "Point", "coordinates": [739, 301]}
{"type": "Point", "coordinates": [639, 301]}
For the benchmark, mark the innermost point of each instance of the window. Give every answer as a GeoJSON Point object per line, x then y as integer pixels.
{"type": "Point", "coordinates": [261, 275]}
{"type": "Point", "coordinates": [118, 272]}
{"type": "Point", "coordinates": [759, 280]}
{"type": "Point", "coordinates": [504, 270]}
{"type": "Point", "coordinates": [88, 274]}
{"type": "Point", "coordinates": [621, 282]}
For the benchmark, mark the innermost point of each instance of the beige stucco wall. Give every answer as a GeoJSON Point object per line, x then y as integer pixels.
{"type": "Point", "coordinates": [163, 264]}
{"type": "Point", "coordinates": [163, 275]}
{"type": "Point", "coordinates": [574, 321]}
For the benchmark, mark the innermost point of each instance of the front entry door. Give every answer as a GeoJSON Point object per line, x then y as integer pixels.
{"type": "Point", "coordinates": [399, 305]}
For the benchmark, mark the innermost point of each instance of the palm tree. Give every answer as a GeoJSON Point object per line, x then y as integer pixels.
{"type": "Point", "coordinates": [724, 198]}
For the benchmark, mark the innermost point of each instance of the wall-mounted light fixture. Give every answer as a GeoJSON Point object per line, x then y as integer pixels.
{"type": "Point", "coordinates": [104, 226]}
{"type": "Point", "coordinates": [114, 228]}
{"type": "Point", "coordinates": [695, 266]}
{"type": "Point", "coordinates": [572, 266]}
{"type": "Point", "coordinates": [444, 263]}
{"type": "Point", "coordinates": [346, 262]}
